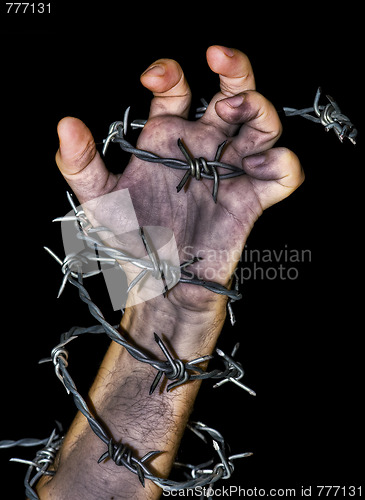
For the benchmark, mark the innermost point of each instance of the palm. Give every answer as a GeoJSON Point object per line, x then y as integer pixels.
{"type": "Point", "coordinates": [200, 226]}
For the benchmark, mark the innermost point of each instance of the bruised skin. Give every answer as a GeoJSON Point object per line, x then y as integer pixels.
{"type": "Point", "coordinates": [237, 114]}
{"type": "Point", "coordinates": [198, 223]}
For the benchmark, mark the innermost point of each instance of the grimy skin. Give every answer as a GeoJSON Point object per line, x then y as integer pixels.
{"type": "Point", "coordinates": [190, 319]}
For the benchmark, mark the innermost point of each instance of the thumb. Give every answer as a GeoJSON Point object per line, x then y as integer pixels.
{"type": "Point", "coordinates": [79, 161]}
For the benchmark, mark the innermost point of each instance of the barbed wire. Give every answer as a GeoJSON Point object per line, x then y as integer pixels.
{"type": "Point", "coordinates": [174, 369]}
{"type": "Point", "coordinates": [329, 115]}
{"type": "Point", "coordinates": [199, 475]}
{"type": "Point", "coordinates": [159, 268]}
{"type": "Point", "coordinates": [119, 452]}
{"type": "Point", "coordinates": [198, 168]}
{"type": "Point", "coordinates": [40, 464]}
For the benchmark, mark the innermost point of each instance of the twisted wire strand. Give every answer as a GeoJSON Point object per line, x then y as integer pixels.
{"type": "Point", "coordinates": [329, 115]}
{"type": "Point", "coordinates": [163, 269]}
{"type": "Point", "coordinates": [116, 134]}
{"type": "Point", "coordinates": [24, 442]}
{"type": "Point", "coordinates": [42, 461]}
{"type": "Point", "coordinates": [173, 369]}
{"type": "Point", "coordinates": [195, 167]}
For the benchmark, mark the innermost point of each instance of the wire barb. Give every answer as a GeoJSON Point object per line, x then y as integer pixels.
{"type": "Point", "coordinates": [195, 167]}
{"type": "Point", "coordinates": [221, 470]}
{"type": "Point", "coordinates": [235, 371]}
{"type": "Point", "coordinates": [177, 370]}
{"type": "Point", "coordinates": [329, 115]}
{"type": "Point", "coordinates": [42, 461]}
{"type": "Point", "coordinates": [122, 456]}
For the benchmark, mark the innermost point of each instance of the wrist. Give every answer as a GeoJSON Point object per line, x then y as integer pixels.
{"type": "Point", "coordinates": [191, 331]}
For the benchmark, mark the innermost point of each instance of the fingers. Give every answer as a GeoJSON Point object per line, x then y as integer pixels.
{"type": "Point", "coordinates": [172, 95]}
{"type": "Point", "coordinates": [234, 69]}
{"type": "Point", "coordinates": [80, 162]}
{"type": "Point", "coordinates": [171, 91]}
{"type": "Point", "coordinates": [274, 174]}
{"type": "Point", "coordinates": [258, 119]}
{"type": "Point", "coordinates": [235, 75]}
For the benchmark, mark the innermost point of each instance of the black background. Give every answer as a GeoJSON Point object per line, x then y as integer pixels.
{"type": "Point", "coordinates": [301, 340]}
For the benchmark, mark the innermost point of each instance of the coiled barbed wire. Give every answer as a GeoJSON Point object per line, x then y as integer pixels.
{"type": "Point", "coordinates": [40, 464]}
{"type": "Point", "coordinates": [329, 115]}
{"type": "Point", "coordinates": [205, 474]}
{"type": "Point", "coordinates": [173, 368]}
{"type": "Point", "coordinates": [200, 475]}
{"type": "Point", "coordinates": [119, 452]}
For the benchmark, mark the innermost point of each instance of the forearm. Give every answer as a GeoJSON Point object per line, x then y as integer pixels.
{"type": "Point", "coordinates": [121, 401]}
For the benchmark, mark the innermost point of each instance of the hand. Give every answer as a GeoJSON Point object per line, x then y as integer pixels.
{"type": "Point", "coordinates": [215, 232]}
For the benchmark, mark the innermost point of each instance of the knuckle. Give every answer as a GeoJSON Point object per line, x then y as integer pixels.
{"type": "Point", "coordinates": [83, 158]}
{"type": "Point", "coordinates": [235, 85]}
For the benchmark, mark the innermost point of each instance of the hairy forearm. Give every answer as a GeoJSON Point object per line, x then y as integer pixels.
{"type": "Point", "coordinates": [120, 400]}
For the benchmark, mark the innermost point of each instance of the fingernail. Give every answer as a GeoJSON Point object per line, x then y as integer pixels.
{"type": "Point", "coordinates": [229, 52]}
{"type": "Point", "coordinates": [235, 101]}
{"type": "Point", "coordinates": [156, 70]}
